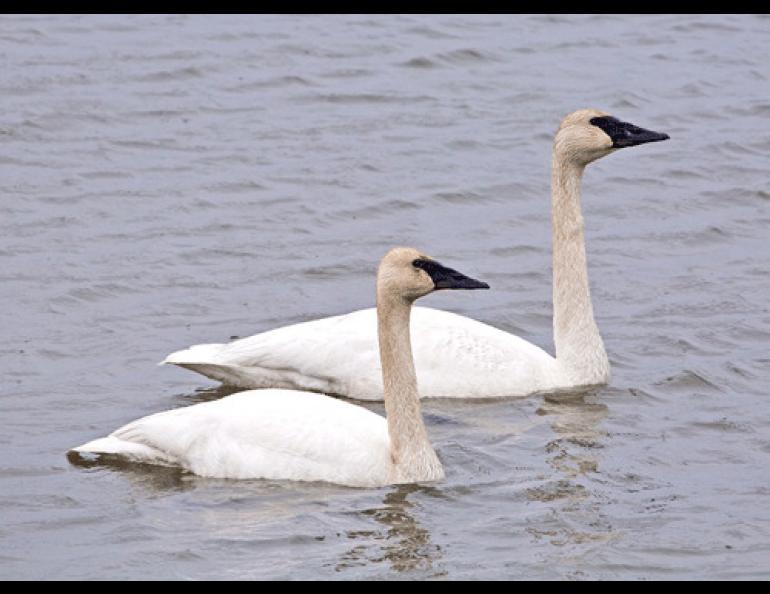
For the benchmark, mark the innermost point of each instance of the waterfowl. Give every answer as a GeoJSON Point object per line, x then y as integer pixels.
{"type": "Point", "coordinates": [295, 435]}
{"type": "Point", "coordinates": [456, 356]}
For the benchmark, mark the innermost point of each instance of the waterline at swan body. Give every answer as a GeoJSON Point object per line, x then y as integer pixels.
{"type": "Point", "coordinates": [456, 356]}
{"type": "Point", "coordinates": [293, 435]}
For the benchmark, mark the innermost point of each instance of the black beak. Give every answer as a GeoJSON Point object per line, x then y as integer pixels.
{"type": "Point", "coordinates": [624, 134]}
{"type": "Point", "coordinates": [447, 278]}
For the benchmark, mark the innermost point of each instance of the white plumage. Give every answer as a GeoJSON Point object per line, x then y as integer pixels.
{"type": "Point", "coordinates": [273, 434]}
{"type": "Point", "coordinates": [455, 357]}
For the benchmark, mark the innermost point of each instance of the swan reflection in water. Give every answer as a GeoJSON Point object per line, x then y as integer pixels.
{"type": "Point", "coordinates": [148, 478]}
{"type": "Point", "coordinates": [577, 515]}
{"type": "Point", "coordinates": [576, 424]}
{"type": "Point", "coordinates": [404, 543]}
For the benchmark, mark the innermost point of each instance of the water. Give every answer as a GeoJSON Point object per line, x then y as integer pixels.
{"type": "Point", "coordinates": [170, 180]}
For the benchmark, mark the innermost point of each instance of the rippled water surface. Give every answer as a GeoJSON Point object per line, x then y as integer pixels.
{"type": "Point", "coordinates": [170, 180]}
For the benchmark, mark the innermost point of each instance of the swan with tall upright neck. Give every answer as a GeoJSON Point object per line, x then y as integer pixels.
{"type": "Point", "coordinates": [457, 357]}
{"type": "Point", "coordinates": [288, 434]}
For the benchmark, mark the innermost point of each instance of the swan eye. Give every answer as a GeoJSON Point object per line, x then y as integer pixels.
{"type": "Point", "coordinates": [611, 126]}
{"type": "Point", "coordinates": [430, 266]}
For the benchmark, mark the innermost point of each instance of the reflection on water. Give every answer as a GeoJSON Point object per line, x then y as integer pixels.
{"type": "Point", "coordinates": [573, 455]}
{"type": "Point", "coordinates": [576, 422]}
{"type": "Point", "coordinates": [404, 543]}
{"type": "Point", "coordinates": [204, 395]}
{"type": "Point", "coordinates": [150, 477]}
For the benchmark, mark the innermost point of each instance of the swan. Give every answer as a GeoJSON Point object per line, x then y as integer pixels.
{"type": "Point", "coordinates": [456, 357]}
{"type": "Point", "coordinates": [294, 435]}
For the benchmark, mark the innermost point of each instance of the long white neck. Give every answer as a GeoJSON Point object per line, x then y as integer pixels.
{"type": "Point", "coordinates": [412, 454]}
{"type": "Point", "coordinates": [579, 348]}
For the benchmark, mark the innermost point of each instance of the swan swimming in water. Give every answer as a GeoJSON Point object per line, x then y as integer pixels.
{"type": "Point", "coordinates": [456, 356]}
{"type": "Point", "coordinates": [286, 434]}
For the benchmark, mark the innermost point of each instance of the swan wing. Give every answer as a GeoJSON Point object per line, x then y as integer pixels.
{"type": "Point", "coordinates": [459, 357]}
{"type": "Point", "coordinates": [455, 357]}
{"type": "Point", "coordinates": [322, 355]}
{"type": "Point", "coordinates": [273, 434]}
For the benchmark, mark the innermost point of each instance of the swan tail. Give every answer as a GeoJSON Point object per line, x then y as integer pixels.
{"type": "Point", "coordinates": [247, 363]}
{"type": "Point", "coordinates": [230, 375]}
{"type": "Point", "coordinates": [209, 360]}
{"type": "Point", "coordinates": [203, 359]}
{"type": "Point", "coordinates": [198, 354]}
{"type": "Point", "coordinates": [119, 447]}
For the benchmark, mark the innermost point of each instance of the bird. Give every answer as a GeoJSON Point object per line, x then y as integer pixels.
{"type": "Point", "coordinates": [303, 436]}
{"type": "Point", "coordinates": [457, 356]}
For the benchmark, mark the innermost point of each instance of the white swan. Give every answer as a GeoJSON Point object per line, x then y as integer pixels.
{"type": "Point", "coordinates": [286, 434]}
{"type": "Point", "coordinates": [456, 356]}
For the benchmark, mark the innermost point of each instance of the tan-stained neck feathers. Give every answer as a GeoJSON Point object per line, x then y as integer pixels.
{"type": "Point", "coordinates": [414, 459]}
{"type": "Point", "coordinates": [579, 347]}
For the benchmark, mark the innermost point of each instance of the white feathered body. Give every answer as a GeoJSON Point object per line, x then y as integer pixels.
{"type": "Point", "coordinates": [270, 434]}
{"type": "Point", "coordinates": [455, 357]}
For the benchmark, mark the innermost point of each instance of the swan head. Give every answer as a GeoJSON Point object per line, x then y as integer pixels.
{"type": "Point", "coordinates": [410, 274]}
{"type": "Point", "coordinates": [589, 134]}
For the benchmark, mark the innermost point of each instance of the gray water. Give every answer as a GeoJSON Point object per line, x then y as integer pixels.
{"type": "Point", "coordinates": [170, 180]}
